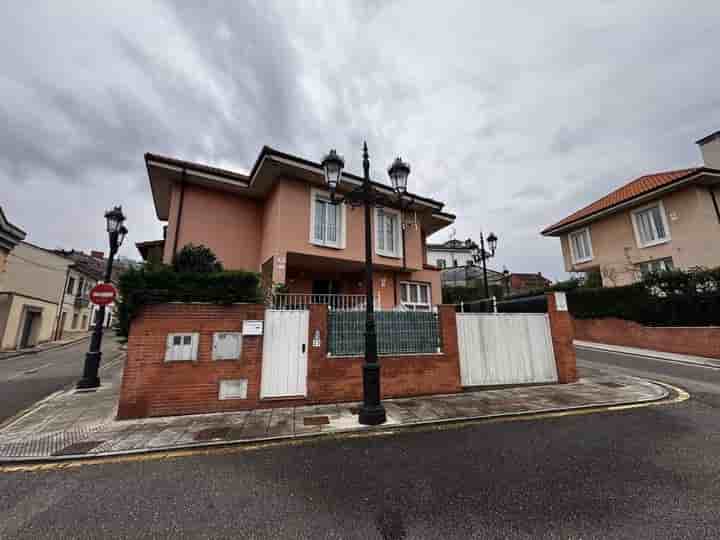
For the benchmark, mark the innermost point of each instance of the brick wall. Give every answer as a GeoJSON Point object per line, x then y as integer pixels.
{"type": "Point", "coordinates": [696, 341]}
{"type": "Point", "coordinates": [153, 387]}
{"type": "Point", "coordinates": [563, 332]}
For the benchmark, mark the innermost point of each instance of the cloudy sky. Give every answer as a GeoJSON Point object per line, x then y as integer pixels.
{"type": "Point", "coordinates": [514, 115]}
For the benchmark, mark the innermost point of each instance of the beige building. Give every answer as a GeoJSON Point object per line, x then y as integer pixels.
{"type": "Point", "coordinates": [10, 236]}
{"type": "Point", "coordinates": [658, 221]}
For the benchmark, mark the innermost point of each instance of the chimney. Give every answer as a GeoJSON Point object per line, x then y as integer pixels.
{"type": "Point", "coordinates": [97, 254]}
{"type": "Point", "coordinates": [710, 150]}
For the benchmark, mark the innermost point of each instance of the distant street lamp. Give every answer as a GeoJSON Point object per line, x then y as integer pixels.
{"type": "Point", "coordinates": [482, 255]}
{"type": "Point", "coordinates": [116, 234]}
{"type": "Point", "coordinates": [372, 411]}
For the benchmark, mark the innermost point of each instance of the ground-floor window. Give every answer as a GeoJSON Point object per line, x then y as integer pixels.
{"type": "Point", "coordinates": [415, 296]}
{"type": "Point", "coordinates": [658, 265]}
{"type": "Point", "coordinates": [75, 321]}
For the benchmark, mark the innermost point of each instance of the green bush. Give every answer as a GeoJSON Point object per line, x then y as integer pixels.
{"type": "Point", "coordinates": [138, 287]}
{"type": "Point", "coordinates": [192, 258]}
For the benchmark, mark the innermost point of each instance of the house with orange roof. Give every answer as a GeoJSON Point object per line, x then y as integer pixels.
{"type": "Point", "coordinates": [658, 221]}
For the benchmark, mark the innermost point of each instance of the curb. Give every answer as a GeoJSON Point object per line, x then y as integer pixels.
{"type": "Point", "coordinates": [652, 355]}
{"type": "Point", "coordinates": [671, 394]}
{"type": "Point", "coordinates": [18, 354]}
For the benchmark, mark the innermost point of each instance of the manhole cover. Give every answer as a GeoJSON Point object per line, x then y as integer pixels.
{"type": "Point", "coordinates": [212, 433]}
{"type": "Point", "coordinates": [78, 448]}
{"type": "Point", "coordinates": [612, 384]}
{"type": "Point", "coordinates": [316, 420]}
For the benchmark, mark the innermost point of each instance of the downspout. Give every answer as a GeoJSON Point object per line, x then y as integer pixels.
{"type": "Point", "coordinates": [61, 302]}
{"type": "Point", "coordinates": [715, 203]}
{"type": "Point", "coordinates": [179, 218]}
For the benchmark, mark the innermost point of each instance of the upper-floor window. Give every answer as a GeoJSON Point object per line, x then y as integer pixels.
{"type": "Point", "coordinates": [650, 224]}
{"type": "Point", "coordinates": [581, 246]}
{"type": "Point", "coordinates": [326, 221]}
{"type": "Point", "coordinates": [441, 263]}
{"type": "Point", "coordinates": [387, 238]}
{"type": "Point", "coordinates": [70, 285]}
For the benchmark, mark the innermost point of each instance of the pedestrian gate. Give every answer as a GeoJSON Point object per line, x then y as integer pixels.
{"type": "Point", "coordinates": [284, 365]}
{"type": "Point", "coordinates": [505, 348]}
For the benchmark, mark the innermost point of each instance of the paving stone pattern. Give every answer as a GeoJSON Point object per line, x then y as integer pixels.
{"type": "Point", "coordinates": [74, 424]}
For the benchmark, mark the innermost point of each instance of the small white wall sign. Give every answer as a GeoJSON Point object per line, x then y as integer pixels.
{"type": "Point", "coordinates": [252, 328]}
{"type": "Point", "coordinates": [561, 301]}
{"type": "Point", "coordinates": [316, 339]}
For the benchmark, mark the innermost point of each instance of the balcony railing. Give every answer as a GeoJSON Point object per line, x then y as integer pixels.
{"type": "Point", "coordinates": [346, 302]}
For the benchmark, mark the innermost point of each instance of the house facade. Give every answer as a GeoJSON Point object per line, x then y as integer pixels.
{"type": "Point", "coordinates": [10, 236]}
{"type": "Point", "coordinates": [278, 220]}
{"type": "Point", "coordinates": [658, 221]}
{"type": "Point", "coordinates": [451, 254]}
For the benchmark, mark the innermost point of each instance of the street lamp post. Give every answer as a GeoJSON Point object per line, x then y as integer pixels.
{"type": "Point", "coordinates": [116, 234]}
{"type": "Point", "coordinates": [372, 411]}
{"type": "Point", "coordinates": [482, 255]}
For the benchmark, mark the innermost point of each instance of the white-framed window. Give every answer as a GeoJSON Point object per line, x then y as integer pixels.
{"type": "Point", "coordinates": [658, 265]}
{"type": "Point", "coordinates": [181, 347]}
{"type": "Point", "coordinates": [227, 345]}
{"type": "Point", "coordinates": [441, 263]}
{"type": "Point", "coordinates": [581, 245]}
{"type": "Point", "coordinates": [650, 225]}
{"type": "Point", "coordinates": [388, 240]}
{"type": "Point", "coordinates": [327, 221]}
{"type": "Point", "coordinates": [233, 389]}
{"type": "Point", "coordinates": [415, 296]}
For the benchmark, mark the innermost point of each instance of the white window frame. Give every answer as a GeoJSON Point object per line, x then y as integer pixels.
{"type": "Point", "coordinates": [573, 254]}
{"type": "Point", "coordinates": [636, 229]}
{"type": "Point", "coordinates": [397, 252]}
{"type": "Point", "coordinates": [219, 355]}
{"type": "Point", "coordinates": [184, 352]}
{"type": "Point", "coordinates": [414, 305]}
{"type": "Point", "coordinates": [316, 194]}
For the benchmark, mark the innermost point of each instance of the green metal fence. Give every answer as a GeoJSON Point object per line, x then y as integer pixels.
{"type": "Point", "coordinates": [398, 332]}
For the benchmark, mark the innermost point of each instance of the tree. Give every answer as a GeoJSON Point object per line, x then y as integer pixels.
{"type": "Point", "coordinates": [194, 258]}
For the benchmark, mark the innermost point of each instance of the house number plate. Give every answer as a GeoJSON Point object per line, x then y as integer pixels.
{"type": "Point", "coordinates": [252, 328]}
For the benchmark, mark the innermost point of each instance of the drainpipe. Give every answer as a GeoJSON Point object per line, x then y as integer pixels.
{"type": "Point", "coordinates": [179, 218]}
{"type": "Point", "coordinates": [61, 303]}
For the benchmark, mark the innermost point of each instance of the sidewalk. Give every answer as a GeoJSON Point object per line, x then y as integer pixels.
{"type": "Point", "coordinates": [633, 351]}
{"type": "Point", "coordinates": [71, 424]}
{"type": "Point", "coordinates": [47, 346]}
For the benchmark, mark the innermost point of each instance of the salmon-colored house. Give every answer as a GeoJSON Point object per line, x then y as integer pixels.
{"type": "Point", "coordinates": [278, 221]}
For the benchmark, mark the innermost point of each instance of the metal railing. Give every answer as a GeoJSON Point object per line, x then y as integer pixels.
{"type": "Point", "coordinates": [346, 302]}
{"type": "Point", "coordinates": [398, 332]}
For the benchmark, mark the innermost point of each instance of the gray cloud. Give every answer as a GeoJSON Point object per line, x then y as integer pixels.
{"type": "Point", "coordinates": [514, 134]}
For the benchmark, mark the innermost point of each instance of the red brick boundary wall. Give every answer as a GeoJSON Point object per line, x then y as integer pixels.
{"type": "Point", "coordinates": [563, 334]}
{"type": "Point", "coordinates": [153, 387]}
{"type": "Point", "coordinates": [696, 341]}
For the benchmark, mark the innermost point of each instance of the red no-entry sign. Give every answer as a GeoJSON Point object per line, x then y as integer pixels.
{"type": "Point", "coordinates": [103, 294]}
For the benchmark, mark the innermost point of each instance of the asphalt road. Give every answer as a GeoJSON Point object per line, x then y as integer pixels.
{"type": "Point", "coordinates": [635, 474]}
{"type": "Point", "coordinates": [27, 379]}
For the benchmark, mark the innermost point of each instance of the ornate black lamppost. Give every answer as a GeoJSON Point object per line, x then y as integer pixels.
{"type": "Point", "coordinates": [372, 411]}
{"type": "Point", "coordinates": [116, 233]}
{"type": "Point", "coordinates": [482, 255]}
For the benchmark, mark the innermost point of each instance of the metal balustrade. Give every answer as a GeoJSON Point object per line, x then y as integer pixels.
{"type": "Point", "coordinates": [345, 302]}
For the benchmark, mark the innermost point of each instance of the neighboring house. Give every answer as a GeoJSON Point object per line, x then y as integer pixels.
{"type": "Point", "coordinates": [658, 221]}
{"type": "Point", "coordinates": [523, 283]}
{"type": "Point", "coordinates": [450, 254]}
{"type": "Point", "coordinates": [470, 275]}
{"type": "Point", "coordinates": [32, 290]}
{"type": "Point", "coordinates": [278, 220]}
{"type": "Point", "coordinates": [10, 236]}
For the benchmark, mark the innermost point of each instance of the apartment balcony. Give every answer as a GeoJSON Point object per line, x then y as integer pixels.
{"type": "Point", "coordinates": [81, 301]}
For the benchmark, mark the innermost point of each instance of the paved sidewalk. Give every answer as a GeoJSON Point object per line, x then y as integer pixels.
{"type": "Point", "coordinates": [48, 346]}
{"type": "Point", "coordinates": [72, 424]}
{"type": "Point", "coordinates": [672, 357]}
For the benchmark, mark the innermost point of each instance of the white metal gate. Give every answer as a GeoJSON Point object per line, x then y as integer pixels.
{"type": "Point", "coordinates": [284, 364]}
{"type": "Point", "coordinates": [505, 348]}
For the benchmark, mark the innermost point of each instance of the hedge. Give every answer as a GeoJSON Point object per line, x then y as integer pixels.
{"type": "Point", "coordinates": [151, 286]}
